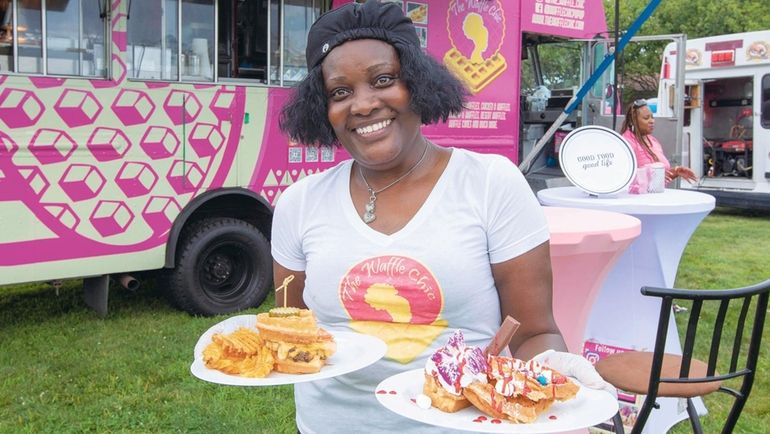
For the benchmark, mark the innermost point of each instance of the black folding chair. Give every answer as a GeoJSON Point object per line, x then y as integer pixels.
{"type": "Point", "coordinates": [658, 374]}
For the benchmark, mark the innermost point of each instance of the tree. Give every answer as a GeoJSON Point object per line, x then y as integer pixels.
{"type": "Point", "coordinates": [641, 62]}
{"type": "Point", "coordinates": [694, 18]}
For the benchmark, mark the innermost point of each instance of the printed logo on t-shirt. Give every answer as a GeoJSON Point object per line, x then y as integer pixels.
{"type": "Point", "coordinates": [396, 299]}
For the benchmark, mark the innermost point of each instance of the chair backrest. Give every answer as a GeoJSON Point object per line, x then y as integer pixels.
{"type": "Point", "coordinates": [742, 349]}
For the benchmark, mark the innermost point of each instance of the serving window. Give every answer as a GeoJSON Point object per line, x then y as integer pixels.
{"type": "Point", "coordinates": [54, 37]}
{"type": "Point", "coordinates": [260, 41]}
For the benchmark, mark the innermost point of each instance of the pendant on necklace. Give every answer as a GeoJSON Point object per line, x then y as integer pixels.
{"type": "Point", "coordinates": [369, 210]}
{"type": "Point", "coordinates": [369, 207]}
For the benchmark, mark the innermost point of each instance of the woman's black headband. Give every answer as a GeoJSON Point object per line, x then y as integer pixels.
{"type": "Point", "coordinates": [370, 20]}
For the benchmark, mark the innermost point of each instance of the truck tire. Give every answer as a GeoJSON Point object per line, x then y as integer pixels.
{"type": "Point", "coordinates": [223, 265]}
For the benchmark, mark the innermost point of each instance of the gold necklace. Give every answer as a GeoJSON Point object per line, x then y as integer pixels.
{"type": "Point", "coordinates": [369, 207]}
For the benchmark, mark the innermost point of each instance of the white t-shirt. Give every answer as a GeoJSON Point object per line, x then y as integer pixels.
{"type": "Point", "coordinates": [413, 288]}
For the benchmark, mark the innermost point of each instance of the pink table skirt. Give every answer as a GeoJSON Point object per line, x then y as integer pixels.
{"type": "Point", "coordinates": [584, 246]}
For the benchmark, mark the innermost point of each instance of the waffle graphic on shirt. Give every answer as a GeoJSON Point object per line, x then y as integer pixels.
{"type": "Point", "coordinates": [475, 76]}
{"type": "Point", "coordinates": [397, 299]}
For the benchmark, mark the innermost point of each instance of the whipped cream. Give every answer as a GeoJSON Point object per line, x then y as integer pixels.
{"type": "Point", "coordinates": [511, 375]}
{"type": "Point", "coordinates": [456, 365]}
{"type": "Point", "coordinates": [423, 401]}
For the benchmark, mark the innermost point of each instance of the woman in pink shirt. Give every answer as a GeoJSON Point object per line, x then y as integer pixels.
{"type": "Point", "coordinates": [637, 129]}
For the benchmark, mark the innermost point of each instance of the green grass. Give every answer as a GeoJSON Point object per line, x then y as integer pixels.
{"type": "Point", "coordinates": [730, 249]}
{"type": "Point", "coordinates": [63, 369]}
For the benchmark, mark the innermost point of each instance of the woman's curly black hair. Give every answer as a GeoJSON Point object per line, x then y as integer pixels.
{"type": "Point", "coordinates": [435, 94]}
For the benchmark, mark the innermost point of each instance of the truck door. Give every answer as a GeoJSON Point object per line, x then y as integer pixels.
{"type": "Point", "coordinates": [762, 134]}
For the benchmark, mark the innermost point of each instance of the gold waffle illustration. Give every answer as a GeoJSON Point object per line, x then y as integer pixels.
{"type": "Point", "coordinates": [475, 76]}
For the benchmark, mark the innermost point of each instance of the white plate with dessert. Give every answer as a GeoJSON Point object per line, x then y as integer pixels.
{"type": "Point", "coordinates": [463, 388]}
{"type": "Point", "coordinates": [295, 352]}
{"type": "Point", "coordinates": [400, 394]}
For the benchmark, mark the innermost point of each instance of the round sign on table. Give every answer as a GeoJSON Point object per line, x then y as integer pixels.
{"type": "Point", "coordinates": [597, 160]}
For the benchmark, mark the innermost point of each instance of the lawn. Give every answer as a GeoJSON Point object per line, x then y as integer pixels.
{"type": "Point", "coordinates": [63, 369]}
{"type": "Point", "coordinates": [730, 249]}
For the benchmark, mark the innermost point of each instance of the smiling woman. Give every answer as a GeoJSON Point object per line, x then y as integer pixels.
{"type": "Point", "coordinates": [408, 240]}
{"type": "Point", "coordinates": [434, 92]}
{"type": "Point", "coordinates": [368, 105]}
{"type": "Point", "coordinates": [637, 130]}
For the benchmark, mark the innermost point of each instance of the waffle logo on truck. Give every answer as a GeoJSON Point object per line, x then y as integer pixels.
{"type": "Point", "coordinates": [758, 50]}
{"type": "Point", "coordinates": [476, 30]}
{"type": "Point", "coordinates": [693, 57]}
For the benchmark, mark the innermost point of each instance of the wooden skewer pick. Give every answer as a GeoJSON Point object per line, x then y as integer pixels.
{"type": "Point", "coordinates": [503, 336]}
{"type": "Point", "coordinates": [285, 287]}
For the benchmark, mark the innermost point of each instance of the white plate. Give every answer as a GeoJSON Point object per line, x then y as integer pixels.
{"type": "Point", "coordinates": [588, 408]}
{"type": "Point", "coordinates": [354, 351]}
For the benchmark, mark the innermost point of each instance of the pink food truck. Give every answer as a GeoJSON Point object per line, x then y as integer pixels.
{"type": "Point", "coordinates": [142, 135]}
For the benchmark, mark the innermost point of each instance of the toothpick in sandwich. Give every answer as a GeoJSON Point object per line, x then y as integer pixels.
{"type": "Point", "coordinates": [285, 287]}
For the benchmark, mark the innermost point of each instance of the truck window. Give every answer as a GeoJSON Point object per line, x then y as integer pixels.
{"type": "Point", "coordinates": [158, 50]}
{"type": "Point", "coordinates": [243, 40]}
{"type": "Point", "coordinates": [599, 88]}
{"type": "Point", "coordinates": [153, 41]}
{"type": "Point", "coordinates": [253, 37]}
{"type": "Point", "coordinates": [56, 37]}
{"type": "Point", "coordinates": [765, 109]}
{"type": "Point", "coordinates": [299, 15]}
{"type": "Point", "coordinates": [555, 65]}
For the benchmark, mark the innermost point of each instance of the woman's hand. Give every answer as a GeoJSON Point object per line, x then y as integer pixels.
{"type": "Point", "coordinates": [577, 367]}
{"type": "Point", "coordinates": [687, 174]}
{"type": "Point", "coordinates": [681, 172]}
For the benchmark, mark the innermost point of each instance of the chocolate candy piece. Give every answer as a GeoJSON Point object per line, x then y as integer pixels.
{"type": "Point", "coordinates": [503, 336]}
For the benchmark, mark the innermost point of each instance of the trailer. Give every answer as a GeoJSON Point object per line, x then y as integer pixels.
{"type": "Point", "coordinates": [726, 131]}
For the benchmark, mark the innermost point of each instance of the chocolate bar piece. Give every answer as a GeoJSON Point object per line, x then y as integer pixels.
{"type": "Point", "coordinates": [503, 336]}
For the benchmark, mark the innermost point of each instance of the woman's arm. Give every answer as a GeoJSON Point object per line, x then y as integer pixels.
{"type": "Point", "coordinates": [524, 285]}
{"type": "Point", "coordinates": [295, 287]}
{"type": "Point", "coordinates": [672, 172]}
{"type": "Point", "coordinates": [680, 171]}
